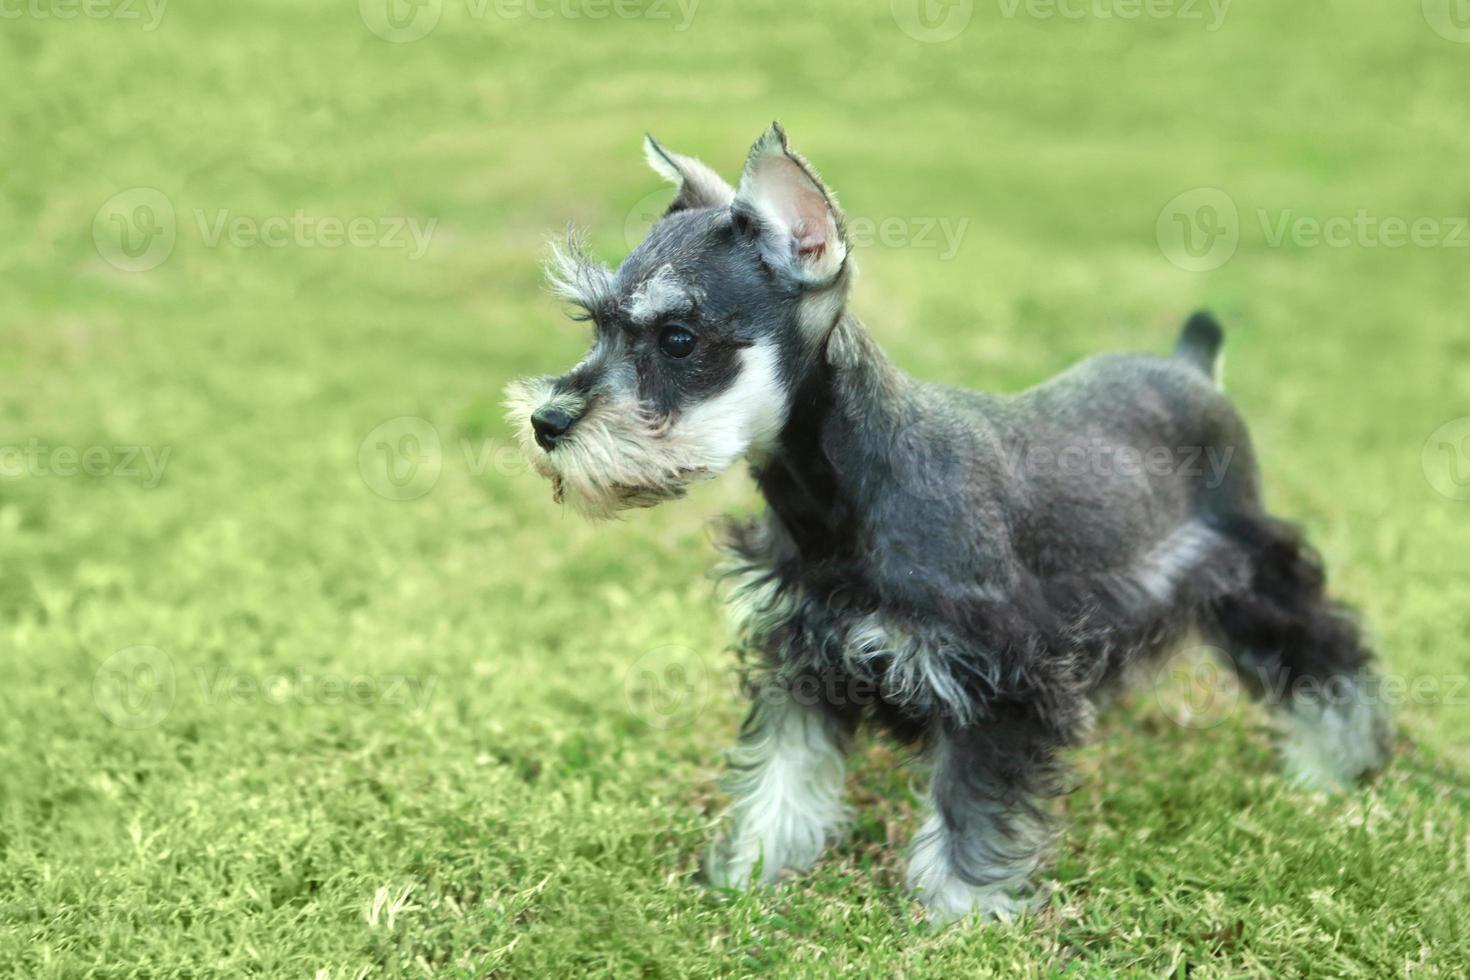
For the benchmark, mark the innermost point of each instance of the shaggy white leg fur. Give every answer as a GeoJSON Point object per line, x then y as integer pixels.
{"type": "Point", "coordinates": [1334, 737]}
{"type": "Point", "coordinates": [974, 853]}
{"type": "Point", "coordinates": [787, 783]}
{"type": "Point", "coordinates": [947, 896]}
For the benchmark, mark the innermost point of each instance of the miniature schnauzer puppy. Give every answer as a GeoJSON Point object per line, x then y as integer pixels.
{"type": "Point", "coordinates": [972, 571]}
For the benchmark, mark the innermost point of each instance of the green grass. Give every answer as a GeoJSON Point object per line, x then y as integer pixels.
{"type": "Point", "coordinates": [536, 803]}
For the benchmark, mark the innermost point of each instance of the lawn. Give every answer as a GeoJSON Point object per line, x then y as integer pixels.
{"type": "Point", "coordinates": [307, 676]}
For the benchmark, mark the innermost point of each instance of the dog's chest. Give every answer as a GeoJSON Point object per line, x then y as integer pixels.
{"type": "Point", "coordinates": [841, 641]}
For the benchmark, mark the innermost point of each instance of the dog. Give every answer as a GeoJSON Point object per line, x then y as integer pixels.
{"type": "Point", "coordinates": [974, 572]}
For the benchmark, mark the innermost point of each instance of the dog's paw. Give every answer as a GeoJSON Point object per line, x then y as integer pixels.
{"type": "Point", "coordinates": [740, 864]}
{"type": "Point", "coordinates": [721, 872]}
{"type": "Point", "coordinates": [954, 899]}
{"type": "Point", "coordinates": [770, 852]}
{"type": "Point", "coordinates": [1331, 743]}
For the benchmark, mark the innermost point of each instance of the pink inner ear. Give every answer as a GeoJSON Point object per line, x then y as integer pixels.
{"type": "Point", "coordinates": [791, 196]}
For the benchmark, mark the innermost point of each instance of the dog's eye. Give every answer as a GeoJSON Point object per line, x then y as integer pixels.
{"type": "Point", "coordinates": [676, 340]}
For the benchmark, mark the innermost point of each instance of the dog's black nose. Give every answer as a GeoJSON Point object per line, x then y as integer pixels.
{"type": "Point", "coordinates": [551, 424]}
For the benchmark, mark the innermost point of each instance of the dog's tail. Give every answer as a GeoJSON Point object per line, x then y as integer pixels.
{"type": "Point", "coordinates": [1201, 344]}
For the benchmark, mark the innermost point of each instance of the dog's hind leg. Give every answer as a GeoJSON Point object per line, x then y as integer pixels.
{"type": "Point", "coordinates": [786, 777]}
{"type": "Point", "coordinates": [1304, 654]}
{"type": "Point", "coordinates": [986, 830]}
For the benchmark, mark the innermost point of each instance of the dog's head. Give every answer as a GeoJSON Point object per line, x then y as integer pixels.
{"type": "Point", "coordinates": [698, 336]}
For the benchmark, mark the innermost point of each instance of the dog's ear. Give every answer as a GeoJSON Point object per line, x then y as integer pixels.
{"type": "Point", "coordinates": [699, 186]}
{"type": "Point", "coordinates": [795, 218]}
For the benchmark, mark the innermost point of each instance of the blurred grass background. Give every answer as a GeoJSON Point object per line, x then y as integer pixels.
{"type": "Point", "coordinates": [537, 807]}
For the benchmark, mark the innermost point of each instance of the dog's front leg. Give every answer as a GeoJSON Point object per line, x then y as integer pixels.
{"type": "Point", "coordinates": [786, 779]}
{"type": "Point", "coordinates": [986, 831]}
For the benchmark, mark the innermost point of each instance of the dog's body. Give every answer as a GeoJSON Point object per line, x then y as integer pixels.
{"type": "Point", "coordinates": [972, 570]}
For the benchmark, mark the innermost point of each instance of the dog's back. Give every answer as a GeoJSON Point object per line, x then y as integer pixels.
{"type": "Point", "coordinates": [1107, 461]}
{"type": "Point", "coordinates": [1128, 448]}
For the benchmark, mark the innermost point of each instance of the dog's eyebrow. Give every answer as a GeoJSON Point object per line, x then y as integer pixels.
{"type": "Point", "coordinates": [660, 295]}
{"type": "Point", "coordinates": [577, 278]}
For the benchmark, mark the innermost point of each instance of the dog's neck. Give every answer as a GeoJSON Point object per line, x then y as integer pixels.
{"type": "Point", "coordinates": [836, 443]}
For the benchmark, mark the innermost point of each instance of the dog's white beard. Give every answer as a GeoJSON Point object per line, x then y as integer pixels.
{"type": "Point", "coordinates": [616, 458]}
{"type": "Point", "coordinates": [619, 456]}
